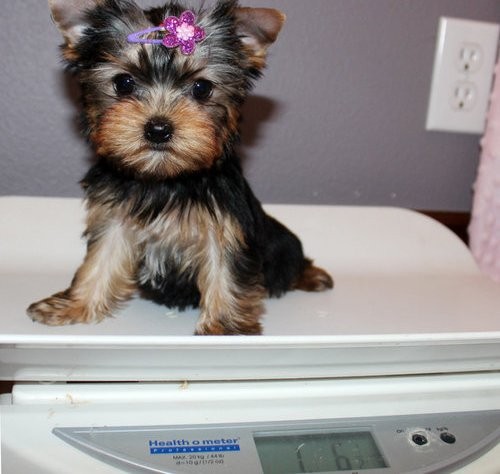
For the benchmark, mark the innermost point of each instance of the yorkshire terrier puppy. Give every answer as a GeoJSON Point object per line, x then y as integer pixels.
{"type": "Point", "coordinates": [169, 213]}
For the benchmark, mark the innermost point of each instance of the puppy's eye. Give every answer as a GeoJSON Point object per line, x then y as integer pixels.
{"type": "Point", "coordinates": [124, 84]}
{"type": "Point", "coordinates": [202, 89]}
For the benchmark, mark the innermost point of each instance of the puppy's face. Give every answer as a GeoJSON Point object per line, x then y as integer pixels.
{"type": "Point", "coordinates": [152, 110]}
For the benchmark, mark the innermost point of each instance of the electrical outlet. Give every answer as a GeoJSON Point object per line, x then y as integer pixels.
{"type": "Point", "coordinates": [469, 57]}
{"type": "Point", "coordinates": [463, 73]}
{"type": "Point", "coordinates": [464, 96]}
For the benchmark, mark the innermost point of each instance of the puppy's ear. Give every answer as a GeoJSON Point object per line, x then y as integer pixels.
{"type": "Point", "coordinates": [70, 16]}
{"type": "Point", "coordinates": [258, 28]}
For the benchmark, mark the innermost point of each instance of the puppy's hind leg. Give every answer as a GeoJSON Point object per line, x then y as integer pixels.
{"type": "Point", "coordinates": [313, 278]}
{"type": "Point", "coordinates": [285, 266]}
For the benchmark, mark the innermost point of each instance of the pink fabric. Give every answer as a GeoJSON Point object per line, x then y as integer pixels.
{"type": "Point", "coordinates": [484, 229]}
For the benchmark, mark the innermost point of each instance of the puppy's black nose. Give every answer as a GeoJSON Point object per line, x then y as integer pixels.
{"type": "Point", "coordinates": [158, 130]}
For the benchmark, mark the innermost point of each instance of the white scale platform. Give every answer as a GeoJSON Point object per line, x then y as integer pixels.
{"type": "Point", "coordinates": [408, 298]}
{"type": "Point", "coordinates": [412, 330]}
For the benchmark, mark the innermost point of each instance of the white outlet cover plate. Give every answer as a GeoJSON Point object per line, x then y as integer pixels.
{"type": "Point", "coordinates": [460, 95]}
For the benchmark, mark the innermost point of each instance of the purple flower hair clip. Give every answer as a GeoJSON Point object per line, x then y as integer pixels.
{"type": "Point", "coordinates": [180, 31]}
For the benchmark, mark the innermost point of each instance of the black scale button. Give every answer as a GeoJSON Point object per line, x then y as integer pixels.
{"type": "Point", "coordinates": [447, 437]}
{"type": "Point", "coordinates": [419, 439]}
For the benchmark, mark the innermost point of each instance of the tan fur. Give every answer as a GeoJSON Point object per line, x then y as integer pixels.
{"type": "Point", "coordinates": [203, 244]}
{"type": "Point", "coordinates": [225, 307]}
{"type": "Point", "coordinates": [104, 280]}
{"type": "Point", "coordinates": [194, 145]}
{"type": "Point", "coordinates": [314, 279]}
{"type": "Point", "coordinates": [258, 29]}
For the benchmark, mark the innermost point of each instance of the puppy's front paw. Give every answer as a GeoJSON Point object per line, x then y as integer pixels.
{"type": "Point", "coordinates": [58, 310]}
{"type": "Point", "coordinates": [216, 327]}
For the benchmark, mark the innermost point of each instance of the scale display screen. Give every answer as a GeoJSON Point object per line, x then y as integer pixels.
{"type": "Point", "coordinates": [297, 452]}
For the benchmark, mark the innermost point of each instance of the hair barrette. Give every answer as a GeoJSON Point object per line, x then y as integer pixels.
{"type": "Point", "coordinates": [179, 31]}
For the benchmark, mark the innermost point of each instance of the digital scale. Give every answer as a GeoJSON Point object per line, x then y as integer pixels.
{"type": "Point", "coordinates": [397, 370]}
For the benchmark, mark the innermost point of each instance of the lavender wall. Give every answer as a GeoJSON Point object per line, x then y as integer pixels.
{"type": "Point", "coordinates": [338, 118]}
